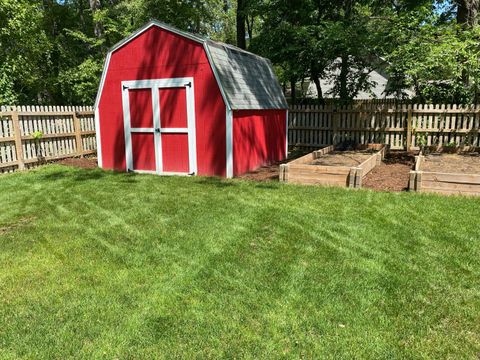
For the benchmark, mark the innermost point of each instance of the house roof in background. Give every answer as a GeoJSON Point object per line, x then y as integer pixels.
{"type": "Point", "coordinates": [377, 77]}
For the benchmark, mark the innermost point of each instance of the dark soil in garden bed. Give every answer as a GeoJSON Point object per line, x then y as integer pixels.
{"type": "Point", "coordinates": [393, 174]}
{"type": "Point", "coordinates": [343, 158]}
{"type": "Point", "coordinates": [83, 163]}
{"type": "Point", "coordinates": [452, 163]}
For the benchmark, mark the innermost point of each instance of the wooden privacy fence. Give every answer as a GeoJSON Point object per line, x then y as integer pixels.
{"type": "Point", "coordinates": [67, 131]}
{"type": "Point", "coordinates": [402, 127]}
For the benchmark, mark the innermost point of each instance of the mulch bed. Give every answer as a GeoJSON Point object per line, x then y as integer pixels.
{"type": "Point", "coordinates": [392, 175]}
{"type": "Point", "coordinates": [83, 163]}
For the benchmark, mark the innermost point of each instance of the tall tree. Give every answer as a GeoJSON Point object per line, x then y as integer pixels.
{"type": "Point", "coordinates": [98, 27]}
{"type": "Point", "coordinates": [241, 24]}
{"type": "Point", "coordinates": [24, 52]}
{"type": "Point", "coordinates": [467, 12]}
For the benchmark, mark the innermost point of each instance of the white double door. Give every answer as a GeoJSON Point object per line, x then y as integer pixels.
{"type": "Point", "coordinates": [159, 126]}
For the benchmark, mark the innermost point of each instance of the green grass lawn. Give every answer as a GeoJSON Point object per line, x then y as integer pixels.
{"type": "Point", "coordinates": [95, 264]}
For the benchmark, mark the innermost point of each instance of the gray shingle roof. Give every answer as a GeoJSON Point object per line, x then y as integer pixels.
{"type": "Point", "coordinates": [248, 80]}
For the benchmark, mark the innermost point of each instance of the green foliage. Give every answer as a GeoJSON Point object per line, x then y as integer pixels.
{"type": "Point", "coordinates": [314, 38]}
{"type": "Point", "coordinates": [440, 61]}
{"type": "Point", "coordinates": [37, 135]}
{"type": "Point", "coordinates": [24, 52]}
{"type": "Point", "coordinates": [79, 84]}
{"type": "Point", "coordinates": [7, 86]}
{"type": "Point", "coordinates": [51, 52]}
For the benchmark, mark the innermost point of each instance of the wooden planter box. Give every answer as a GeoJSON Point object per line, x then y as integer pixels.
{"type": "Point", "coordinates": [302, 171]}
{"type": "Point", "coordinates": [443, 182]}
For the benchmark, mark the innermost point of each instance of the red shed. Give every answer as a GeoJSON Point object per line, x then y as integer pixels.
{"type": "Point", "coordinates": [171, 102]}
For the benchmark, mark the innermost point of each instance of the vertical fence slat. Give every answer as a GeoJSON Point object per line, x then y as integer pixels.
{"type": "Point", "coordinates": [18, 140]}
{"type": "Point", "coordinates": [78, 134]}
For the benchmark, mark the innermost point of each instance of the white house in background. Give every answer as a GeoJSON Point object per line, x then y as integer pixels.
{"type": "Point", "coordinates": [377, 77]}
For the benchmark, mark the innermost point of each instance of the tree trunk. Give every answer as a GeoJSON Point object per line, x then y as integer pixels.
{"type": "Point", "coordinates": [316, 80]}
{"type": "Point", "coordinates": [250, 23]}
{"type": "Point", "coordinates": [293, 91]}
{"type": "Point", "coordinates": [241, 31]}
{"type": "Point", "coordinates": [467, 12]}
{"type": "Point", "coordinates": [343, 78]}
{"type": "Point", "coordinates": [97, 25]}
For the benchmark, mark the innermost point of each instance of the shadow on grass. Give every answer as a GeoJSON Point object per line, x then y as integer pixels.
{"type": "Point", "coordinates": [268, 185]}
{"type": "Point", "coordinates": [89, 175]}
{"type": "Point", "coordinates": [215, 181]}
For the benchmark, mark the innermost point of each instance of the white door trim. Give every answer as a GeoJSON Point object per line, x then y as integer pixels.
{"type": "Point", "coordinates": [157, 130]}
{"type": "Point", "coordinates": [141, 130]}
{"type": "Point", "coordinates": [229, 141]}
{"type": "Point", "coordinates": [286, 136]}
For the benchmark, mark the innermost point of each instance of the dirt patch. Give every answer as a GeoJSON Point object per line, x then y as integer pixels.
{"type": "Point", "coordinates": [392, 175]}
{"type": "Point", "coordinates": [83, 163]}
{"type": "Point", "coordinates": [452, 163]}
{"type": "Point", "coordinates": [271, 172]}
{"type": "Point", "coordinates": [19, 223]}
{"type": "Point", "coordinates": [343, 158]}
{"type": "Point", "coordinates": [265, 173]}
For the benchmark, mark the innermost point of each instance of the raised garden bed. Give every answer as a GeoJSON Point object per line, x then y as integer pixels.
{"type": "Point", "coordinates": [328, 166]}
{"type": "Point", "coordinates": [446, 174]}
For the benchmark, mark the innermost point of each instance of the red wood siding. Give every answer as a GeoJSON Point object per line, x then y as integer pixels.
{"type": "Point", "coordinates": [175, 152]}
{"type": "Point", "coordinates": [157, 54]}
{"type": "Point", "coordinates": [258, 138]}
{"type": "Point", "coordinates": [141, 111]}
{"type": "Point", "coordinates": [143, 151]}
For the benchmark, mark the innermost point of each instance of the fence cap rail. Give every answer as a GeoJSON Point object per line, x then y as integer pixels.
{"type": "Point", "coordinates": [47, 113]}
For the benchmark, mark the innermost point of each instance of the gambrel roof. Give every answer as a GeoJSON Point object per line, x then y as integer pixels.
{"type": "Point", "coordinates": [246, 81]}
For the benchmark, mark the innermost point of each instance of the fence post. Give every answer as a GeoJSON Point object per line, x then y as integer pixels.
{"type": "Point", "coordinates": [78, 133]}
{"type": "Point", "coordinates": [409, 129]}
{"type": "Point", "coordinates": [18, 139]}
{"type": "Point", "coordinates": [334, 125]}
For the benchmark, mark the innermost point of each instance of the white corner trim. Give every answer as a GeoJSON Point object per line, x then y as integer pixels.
{"type": "Point", "coordinates": [229, 128]}
{"type": "Point", "coordinates": [102, 79]}
{"type": "Point", "coordinates": [98, 138]}
{"type": "Point", "coordinates": [286, 136]}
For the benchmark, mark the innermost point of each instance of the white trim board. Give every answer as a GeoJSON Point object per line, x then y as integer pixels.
{"type": "Point", "coordinates": [98, 138]}
{"type": "Point", "coordinates": [229, 142]}
{"type": "Point", "coordinates": [286, 136]}
{"type": "Point", "coordinates": [155, 85]}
